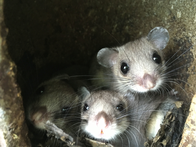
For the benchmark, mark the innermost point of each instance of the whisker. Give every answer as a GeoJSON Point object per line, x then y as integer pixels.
{"type": "Point", "coordinates": [175, 69]}
{"type": "Point", "coordinates": [181, 88]}
{"type": "Point", "coordinates": [180, 55]}
{"type": "Point", "coordinates": [108, 33]}
{"type": "Point", "coordinates": [180, 81]}
{"type": "Point", "coordinates": [133, 137]}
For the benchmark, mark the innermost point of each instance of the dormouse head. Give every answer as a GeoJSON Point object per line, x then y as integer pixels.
{"type": "Point", "coordinates": [102, 115]}
{"type": "Point", "coordinates": [54, 100]}
{"type": "Point", "coordinates": [137, 66]}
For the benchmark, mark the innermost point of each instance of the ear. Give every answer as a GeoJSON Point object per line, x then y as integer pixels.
{"type": "Point", "coordinates": [83, 92]}
{"type": "Point", "coordinates": [159, 36]}
{"type": "Point", "coordinates": [107, 57]}
{"type": "Point", "coordinates": [130, 96]}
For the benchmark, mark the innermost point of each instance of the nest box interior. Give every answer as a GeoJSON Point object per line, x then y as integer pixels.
{"type": "Point", "coordinates": [44, 36]}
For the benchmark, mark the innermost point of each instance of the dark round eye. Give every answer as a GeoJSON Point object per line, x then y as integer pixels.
{"type": "Point", "coordinates": [124, 68]}
{"type": "Point", "coordinates": [120, 107]}
{"type": "Point", "coordinates": [40, 90]}
{"type": "Point", "coordinates": [156, 58]}
{"type": "Point", "coordinates": [86, 107]}
{"type": "Point", "coordinates": [65, 110]}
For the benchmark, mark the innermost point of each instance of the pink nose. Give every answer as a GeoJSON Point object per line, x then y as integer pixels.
{"type": "Point", "coordinates": [38, 115]}
{"type": "Point", "coordinates": [101, 123]}
{"type": "Point", "coordinates": [102, 119]}
{"type": "Point", "coordinates": [148, 81]}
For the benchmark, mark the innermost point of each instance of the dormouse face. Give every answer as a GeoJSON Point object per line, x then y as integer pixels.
{"type": "Point", "coordinates": [102, 115]}
{"type": "Point", "coordinates": [107, 116]}
{"type": "Point", "coordinates": [55, 101]}
{"type": "Point", "coordinates": [137, 66]}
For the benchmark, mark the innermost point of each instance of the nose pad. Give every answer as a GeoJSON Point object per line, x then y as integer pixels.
{"type": "Point", "coordinates": [102, 121]}
{"type": "Point", "coordinates": [149, 81]}
{"type": "Point", "coordinates": [39, 116]}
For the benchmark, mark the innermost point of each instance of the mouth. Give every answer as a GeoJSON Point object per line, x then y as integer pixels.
{"type": "Point", "coordinates": [143, 89]}
{"type": "Point", "coordinates": [148, 83]}
{"type": "Point", "coordinates": [99, 133]}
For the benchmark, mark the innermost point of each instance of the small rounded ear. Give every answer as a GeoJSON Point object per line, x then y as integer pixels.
{"type": "Point", "coordinates": [83, 92]}
{"type": "Point", "coordinates": [107, 57]}
{"type": "Point", "coordinates": [130, 96]}
{"type": "Point", "coordinates": [159, 36]}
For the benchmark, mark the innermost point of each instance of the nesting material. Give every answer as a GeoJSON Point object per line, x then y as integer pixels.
{"type": "Point", "coordinates": [171, 128]}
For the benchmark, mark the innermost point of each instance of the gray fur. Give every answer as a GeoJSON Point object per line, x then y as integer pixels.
{"type": "Point", "coordinates": [47, 106]}
{"type": "Point", "coordinates": [107, 57]}
{"type": "Point", "coordinates": [139, 57]}
{"type": "Point", "coordinates": [130, 122]}
{"type": "Point", "coordinates": [159, 36]}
